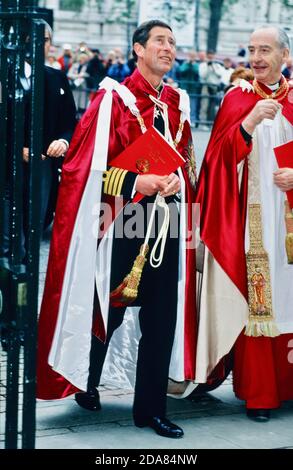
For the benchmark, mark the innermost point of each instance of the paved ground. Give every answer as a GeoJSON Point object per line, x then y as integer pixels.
{"type": "Point", "coordinates": [211, 421]}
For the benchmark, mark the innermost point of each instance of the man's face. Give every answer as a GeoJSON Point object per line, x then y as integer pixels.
{"type": "Point", "coordinates": [47, 44]}
{"type": "Point", "coordinates": [210, 56]}
{"type": "Point", "coordinates": [158, 54]}
{"type": "Point", "coordinates": [192, 56]}
{"type": "Point", "coordinates": [227, 63]}
{"type": "Point", "coordinates": [266, 56]}
{"type": "Point", "coordinates": [202, 56]}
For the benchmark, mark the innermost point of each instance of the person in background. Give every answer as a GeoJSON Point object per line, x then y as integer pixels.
{"type": "Point", "coordinates": [189, 81]}
{"type": "Point", "coordinates": [59, 122]}
{"type": "Point", "coordinates": [66, 59]}
{"type": "Point", "coordinates": [51, 59]}
{"type": "Point", "coordinates": [287, 71]}
{"type": "Point", "coordinates": [226, 72]}
{"type": "Point", "coordinates": [241, 51]}
{"type": "Point", "coordinates": [240, 73]}
{"type": "Point", "coordinates": [210, 72]}
{"type": "Point", "coordinates": [77, 76]}
{"type": "Point", "coordinates": [119, 70]}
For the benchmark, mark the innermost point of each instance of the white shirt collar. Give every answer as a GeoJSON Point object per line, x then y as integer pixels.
{"type": "Point", "coordinates": [27, 70]}
{"type": "Point", "coordinates": [274, 87]}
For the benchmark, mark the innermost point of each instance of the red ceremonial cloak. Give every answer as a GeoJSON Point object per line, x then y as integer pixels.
{"type": "Point", "coordinates": [124, 129]}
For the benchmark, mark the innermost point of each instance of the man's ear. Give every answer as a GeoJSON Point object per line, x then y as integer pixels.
{"type": "Point", "coordinates": [138, 49]}
{"type": "Point", "coordinates": [286, 54]}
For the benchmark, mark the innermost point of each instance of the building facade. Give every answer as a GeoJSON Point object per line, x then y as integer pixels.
{"type": "Point", "coordinates": [91, 24]}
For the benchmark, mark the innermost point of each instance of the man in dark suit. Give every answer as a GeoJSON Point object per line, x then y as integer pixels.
{"type": "Point", "coordinates": [58, 125]}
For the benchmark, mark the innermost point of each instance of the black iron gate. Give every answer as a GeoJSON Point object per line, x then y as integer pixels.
{"type": "Point", "coordinates": [21, 35]}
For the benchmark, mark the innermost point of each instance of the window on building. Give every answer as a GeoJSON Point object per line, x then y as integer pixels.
{"type": "Point", "coordinates": [71, 5]}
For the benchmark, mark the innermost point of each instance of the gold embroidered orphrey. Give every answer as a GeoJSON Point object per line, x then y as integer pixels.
{"type": "Point", "coordinates": [289, 230]}
{"type": "Point", "coordinates": [261, 320]}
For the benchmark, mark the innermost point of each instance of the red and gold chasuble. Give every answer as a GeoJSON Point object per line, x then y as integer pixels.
{"type": "Point", "coordinates": [262, 374]}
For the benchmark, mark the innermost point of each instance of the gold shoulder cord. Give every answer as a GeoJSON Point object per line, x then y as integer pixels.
{"type": "Point", "coordinates": [278, 95]}
{"type": "Point", "coordinates": [127, 291]}
{"type": "Point", "coordinates": [178, 134]}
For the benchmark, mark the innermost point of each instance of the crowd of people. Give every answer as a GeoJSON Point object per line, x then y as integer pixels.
{"type": "Point", "coordinates": [204, 76]}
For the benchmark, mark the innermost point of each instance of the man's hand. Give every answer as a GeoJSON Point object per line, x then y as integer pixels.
{"type": "Point", "coordinates": [283, 178]}
{"type": "Point", "coordinates": [25, 154]}
{"type": "Point", "coordinates": [148, 185]}
{"type": "Point", "coordinates": [57, 148]}
{"type": "Point", "coordinates": [173, 185]}
{"type": "Point", "coordinates": [264, 109]}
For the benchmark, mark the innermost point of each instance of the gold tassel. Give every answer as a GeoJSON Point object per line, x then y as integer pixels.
{"type": "Point", "coordinates": [126, 293]}
{"type": "Point", "coordinates": [263, 327]}
{"type": "Point", "coordinates": [289, 235]}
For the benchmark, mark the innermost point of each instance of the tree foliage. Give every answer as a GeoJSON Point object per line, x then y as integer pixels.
{"type": "Point", "coordinates": [71, 5]}
{"type": "Point", "coordinates": [175, 11]}
{"type": "Point", "coordinates": [217, 9]}
{"type": "Point", "coordinates": [122, 11]}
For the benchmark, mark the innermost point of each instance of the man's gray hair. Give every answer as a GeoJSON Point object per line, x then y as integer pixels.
{"type": "Point", "coordinates": [48, 29]}
{"type": "Point", "coordinates": [283, 38]}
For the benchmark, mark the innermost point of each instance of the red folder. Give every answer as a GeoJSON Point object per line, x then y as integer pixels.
{"type": "Point", "coordinates": [284, 156]}
{"type": "Point", "coordinates": [150, 153]}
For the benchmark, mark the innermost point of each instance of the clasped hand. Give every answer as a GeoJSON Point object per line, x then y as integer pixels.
{"type": "Point", "coordinates": [283, 178]}
{"type": "Point", "coordinates": [56, 149]}
{"type": "Point", "coordinates": [149, 184]}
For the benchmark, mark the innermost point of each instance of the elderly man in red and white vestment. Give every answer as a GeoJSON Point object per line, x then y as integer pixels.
{"type": "Point", "coordinates": [246, 227]}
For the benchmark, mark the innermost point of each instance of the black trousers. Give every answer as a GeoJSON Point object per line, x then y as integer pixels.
{"type": "Point", "coordinates": [157, 318]}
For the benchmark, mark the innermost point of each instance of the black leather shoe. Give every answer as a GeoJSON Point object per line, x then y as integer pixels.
{"type": "Point", "coordinates": [258, 414]}
{"type": "Point", "coordinates": [162, 426]}
{"type": "Point", "coordinates": [89, 400]}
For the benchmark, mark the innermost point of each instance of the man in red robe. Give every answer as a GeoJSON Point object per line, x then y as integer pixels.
{"type": "Point", "coordinates": [243, 199]}
{"type": "Point", "coordinates": [80, 277]}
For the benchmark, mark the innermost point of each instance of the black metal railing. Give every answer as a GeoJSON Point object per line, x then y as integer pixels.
{"type": "Point", "coordinates": [205, 99]}
{"type": "Point", "coordinates": [22, 34]}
